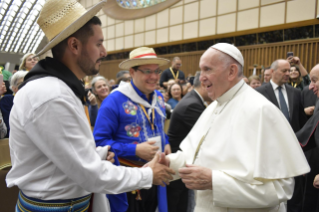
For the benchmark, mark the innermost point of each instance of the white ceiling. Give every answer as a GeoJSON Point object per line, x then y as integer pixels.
{"type": "Point", "coordinates": [19, 32]}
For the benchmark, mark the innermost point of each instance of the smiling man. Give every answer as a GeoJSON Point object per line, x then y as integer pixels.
{"type": "Point", "coordinates": [131, 120]}
{"type": "Point", "coordinates": [229, 156]}
{"type": "Point", "coordinates": [55, 162]}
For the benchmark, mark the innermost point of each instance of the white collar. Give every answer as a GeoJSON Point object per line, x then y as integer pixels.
{"type": "Point", "coordinates": [275, 86]}
{"type": "Point", "coordinates": [128, 90]}
{"type": "Point", "coordinates": [230, 93]}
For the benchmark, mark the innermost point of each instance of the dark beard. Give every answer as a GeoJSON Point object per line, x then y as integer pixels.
{"type": "Point", "coordinates": [87, 66]}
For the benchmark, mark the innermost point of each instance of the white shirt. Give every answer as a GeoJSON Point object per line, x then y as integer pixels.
{"type": "Point", "coordinates": [52, 148]}
{"type": "Point", "coordinates": [283, 90]}
{"type": "Point", "coordinates": [252, 169]}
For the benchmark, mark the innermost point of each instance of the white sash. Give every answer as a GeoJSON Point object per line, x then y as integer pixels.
{"type": "Point", "coordinates": [127, 89]}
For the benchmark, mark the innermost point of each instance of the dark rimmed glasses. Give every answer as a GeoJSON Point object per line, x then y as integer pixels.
{"type": "Point", "coordinates": [149, 72]}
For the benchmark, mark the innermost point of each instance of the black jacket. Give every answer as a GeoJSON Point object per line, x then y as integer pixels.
{"type": "Point", "coordinates": [183, 118]}
{"type": "Point", "coordinates": [296, 110]}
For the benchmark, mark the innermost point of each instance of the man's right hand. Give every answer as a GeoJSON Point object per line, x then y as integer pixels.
{"type": "Point", "coordinates": [309, 110]}
{"type": "Point", "coordinates": [161, 173]}
{"type": "Point", "coordinates": [146, 150]}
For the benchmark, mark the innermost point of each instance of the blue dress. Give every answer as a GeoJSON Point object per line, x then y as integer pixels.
{"type": "Point", "coordinates": [121, 123]}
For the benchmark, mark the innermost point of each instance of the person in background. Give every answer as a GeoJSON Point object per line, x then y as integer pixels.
{"type": "Point", "coordinates": [3, 127]}
{"type": "Point", "coordinates": [288, 100]}
{"type": "Point", "coordinates": [124, 76]}
{"type": "Point", "coordinates": [299, 77]}
{"type": "Point", "coordinates": [254, 81]}
{"type": "Point", "coordinates": [123, 73]}
{"type": "Point", "coordinates": [100, 91]}
{"type": "Point", "coordinates": [175, 94]}
{"type": "Point", "coordinates": [173, 73]}
{"type": "Point", "coordinates": [111, 82]}
{"type": "Point", "coordinates": [267, 75]}
{"type": "Point", "coordinates": [6, 101]}
{"type": "Point", "coordinates": [28, 61]}
{"type": "Point", "coordinates": [186, 87]}
{"type": "Point", "coordinates": [6, 74]}
{"type": "Point", "coordinates": [170, 83]}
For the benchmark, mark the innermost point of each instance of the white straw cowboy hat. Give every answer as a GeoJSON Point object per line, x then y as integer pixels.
{"type": "Point", "coordinates": [61, 18]}
{"type": "Point", "coordinates": [142, 56]}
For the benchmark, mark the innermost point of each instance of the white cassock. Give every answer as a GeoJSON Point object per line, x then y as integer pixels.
{"type": "Point", "coordinates": [251, 149]}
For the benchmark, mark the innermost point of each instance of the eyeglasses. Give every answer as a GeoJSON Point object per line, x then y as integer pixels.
{"type": "Point", "coordinates": [149, 72]}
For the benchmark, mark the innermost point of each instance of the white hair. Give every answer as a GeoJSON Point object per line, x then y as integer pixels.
{"type": "Point", "coordinates": [95, 79]}
{"type": "Point", "coordinates": [16, 77]}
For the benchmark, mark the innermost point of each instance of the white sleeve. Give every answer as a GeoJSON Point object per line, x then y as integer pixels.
{"type": "Point", "coordinates": [177, 160]}
{"type": "Point", "coordinates": [233, 193]}
{"type": "Point", "coordinates": [59, 128]}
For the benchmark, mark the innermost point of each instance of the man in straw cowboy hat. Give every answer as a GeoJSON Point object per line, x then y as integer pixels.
{"type": "Point", "coordinates": [131, 120]}
{"type": "Point", "coordinates": [54, 158]}
{"type": "Point", "coordinates": [229, 156]}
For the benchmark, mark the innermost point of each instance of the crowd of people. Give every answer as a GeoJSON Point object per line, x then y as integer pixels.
{"type": "Point", "coordinates": [233, 143]}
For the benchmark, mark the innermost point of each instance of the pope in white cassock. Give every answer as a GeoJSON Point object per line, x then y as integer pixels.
{"type": "Point", "coordinates": [241, 155]}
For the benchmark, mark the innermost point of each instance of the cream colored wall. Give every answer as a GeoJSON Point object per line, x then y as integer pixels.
{"type": "Point", "coordinates": [190, 19]}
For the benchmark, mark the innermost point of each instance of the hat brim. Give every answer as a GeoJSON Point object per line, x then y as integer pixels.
{"type": "Point", "coordinates": [127, 64]}
{"type": "Point", "coordinates": [75, 26]}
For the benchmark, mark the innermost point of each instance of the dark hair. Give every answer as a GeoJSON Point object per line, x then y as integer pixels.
{"type": "Point", "coordinates": [170, 89]}
{"type": "Point", "coordinates": [299, 78]}
{"type": "Point", "coordinates": [135, 68]}
{"type": "Point", "coordinates": [121, 73]}
{"type": "Point", "coordinates": [82, 34]}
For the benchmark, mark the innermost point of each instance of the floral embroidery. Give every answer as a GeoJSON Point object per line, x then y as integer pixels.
{"type": "Point", "coordinates": [161, 101]}
{"type": "Point", "coordinates": [133, 130]}
{"type": "Point", "coordinates": [130, 108]}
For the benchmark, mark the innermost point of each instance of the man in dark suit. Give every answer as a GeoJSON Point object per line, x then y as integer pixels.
{"type": "Point", "coordinates": [183, 119]}
{"type": "Point", "coordinates": [288, 100]}
{"type": "Point", "coordinates": [285, 97]}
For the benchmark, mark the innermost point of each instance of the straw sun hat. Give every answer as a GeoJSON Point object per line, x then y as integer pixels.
{"type": "Point", "coordinates": [142, 56]}
{"type": "Point", "coordinates": [61, 18]}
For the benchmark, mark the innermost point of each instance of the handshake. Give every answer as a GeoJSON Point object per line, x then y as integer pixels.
{"type": "Point", "coordinates": [194, 177]}
{"type": "Point", "coordinates": [162, 174]}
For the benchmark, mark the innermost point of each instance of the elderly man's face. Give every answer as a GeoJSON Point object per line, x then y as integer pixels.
{"type": "Point", "coordinates": [281, 75]}
{"type": "Point", "coordinates": [214, 73]}
{"type": "Point", "coordinates": [314, 77]}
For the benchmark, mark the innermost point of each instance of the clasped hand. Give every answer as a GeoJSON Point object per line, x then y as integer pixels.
{"type": "Point", "coordinates": [196, 177]}
{"type": "Point", "coordinates": [162, 174]}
